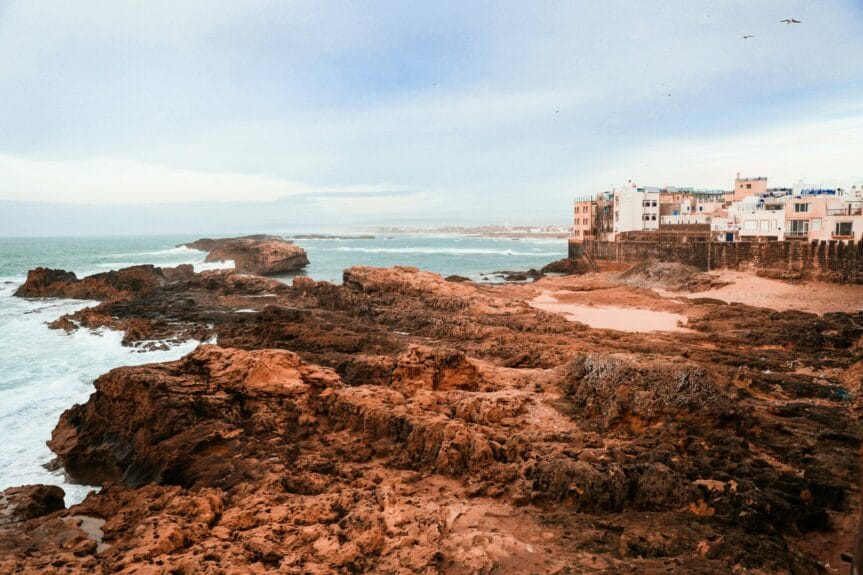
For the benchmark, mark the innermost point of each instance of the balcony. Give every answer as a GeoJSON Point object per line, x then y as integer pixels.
{"type": "Point", "coordinates": [797, 234]}
{"type": "Point", "coordinates": [846, 211]}
{"type": "Point", "coordinates": [841, 236]}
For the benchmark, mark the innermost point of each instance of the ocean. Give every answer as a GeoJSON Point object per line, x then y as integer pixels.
{"type": "Point", "coordinates": [44, 372]}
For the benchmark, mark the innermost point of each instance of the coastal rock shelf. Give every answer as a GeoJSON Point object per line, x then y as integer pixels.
{"type": "Point", "coordinates": [402, 423]}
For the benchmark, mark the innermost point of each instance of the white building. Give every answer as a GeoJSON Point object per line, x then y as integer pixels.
{"type": "Point", "coordinates": [759, 218]}
{"type": "Point", "coordinates": [635, 208]}
{"type": "Point", "coordinates": [724, 229]}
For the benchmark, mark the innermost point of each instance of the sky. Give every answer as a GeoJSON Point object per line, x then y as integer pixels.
{"type": "Point", "coordinates": [146, 116]}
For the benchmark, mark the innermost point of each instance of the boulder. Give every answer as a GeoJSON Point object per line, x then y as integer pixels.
{"type": "Point", "coordinates": [28, 502]}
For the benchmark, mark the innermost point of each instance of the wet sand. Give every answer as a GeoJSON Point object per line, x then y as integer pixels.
{"type": "Point", "coordinates": [750, 289]}
{"type": "Point", "coordinates": [612, 317]}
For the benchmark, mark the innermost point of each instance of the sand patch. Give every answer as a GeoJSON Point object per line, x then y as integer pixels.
{"type": "Point", "coordinates": [612, 317]}
{"type": "Point", "coordinates": [750, 289]}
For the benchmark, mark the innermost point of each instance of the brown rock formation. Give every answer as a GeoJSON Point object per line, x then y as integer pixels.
{"type": "Point", "coordinates": [401, 423]}
{"type": "Point", "coordinates": [18, 504]}
{"type": "Point", "coordinates": [44, 282]}
{"type": "Point", "coordinates": [567, 266]}
{"type": "Point", "coordinates": [260, 254]}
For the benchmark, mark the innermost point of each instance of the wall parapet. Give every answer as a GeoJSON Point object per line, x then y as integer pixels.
{"type": "Point", "coordinates": [825, 260]}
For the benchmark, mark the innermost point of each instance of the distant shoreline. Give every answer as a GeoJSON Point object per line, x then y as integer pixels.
{"type": "Point", "coordinates": [481, 232]}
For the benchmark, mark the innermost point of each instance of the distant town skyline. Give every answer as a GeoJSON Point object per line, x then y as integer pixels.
{"type": "Point", "coordinates": [316, 115]}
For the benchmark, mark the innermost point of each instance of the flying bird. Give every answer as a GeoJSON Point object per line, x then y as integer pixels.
{"type": "Point", "coordinates": [790, 21]}
{"type": "Point", "coordinates": [747, 36]}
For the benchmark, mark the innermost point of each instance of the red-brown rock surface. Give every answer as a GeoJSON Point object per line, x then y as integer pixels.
{"type": "Point", "coordinates": [262, 255]}
{"type": "Point", "coordinates": [45, 282]}
{"type": "Point", "coordinates": [400, 423]}
{"type": "Point", "coordinates": [18, 504]}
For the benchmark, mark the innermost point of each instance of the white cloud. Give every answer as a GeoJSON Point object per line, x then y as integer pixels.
{"type": "Point", "coordinates": [822, 150]}
{"type": "Point", "coordinates": [124, 181]}
{"type": "Point", "coordinates": [502, 110]}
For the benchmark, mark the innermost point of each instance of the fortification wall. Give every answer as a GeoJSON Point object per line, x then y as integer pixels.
{"type": "Point", "coordinates": [833, 261]}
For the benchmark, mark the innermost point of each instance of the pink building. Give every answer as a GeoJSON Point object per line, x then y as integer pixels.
{"type": "Point", "coordinates": [748, 187]}
{"type": "Point", "coordinates": [583, 216]}
{"type": "Point", "coordinates": [823, 217]}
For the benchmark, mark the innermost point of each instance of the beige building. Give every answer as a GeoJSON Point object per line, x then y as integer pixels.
{"type": "Point", "coordinates": [823, 217]}
{"type": "Point", "coordinates": [748, 187]}
{"type": "Point", "coordinates": [583, 218]}
{"type": "Point", "coordinates": [688, 206]}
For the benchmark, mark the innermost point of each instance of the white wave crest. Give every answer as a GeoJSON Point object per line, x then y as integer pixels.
{"type": "Point", "coordinates": [44, 372]}
{"type": "Point", "coordinates": [448, 251]}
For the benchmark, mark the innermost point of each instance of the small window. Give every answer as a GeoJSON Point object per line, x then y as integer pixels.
{"type": "Point", "coordinates": [801, 208]}
{"type": "Point", "coordinates": [748, 186]}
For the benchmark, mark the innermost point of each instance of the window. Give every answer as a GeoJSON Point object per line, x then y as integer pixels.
{"type": "Point", "coordinates": [798, 227]}
{"type": "Point", "coordinates": [653, 217]}
{"type": "Point", "coordinates": [801, 208]}
{"type": "Point", "coordinates": [844, 229]}
{"type": "Point", "coordinates": [748, 186]}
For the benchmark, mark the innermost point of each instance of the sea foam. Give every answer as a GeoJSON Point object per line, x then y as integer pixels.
{"type": "Point", "coordinates": [43, 372]}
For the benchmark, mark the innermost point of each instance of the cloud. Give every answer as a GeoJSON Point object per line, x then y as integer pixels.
{"type": "Point", "coordinates": [493, 111]}
{"type": "Point", "coordinates": [133, 182]}
{"type": "Point", "coordinates": [821, 149]}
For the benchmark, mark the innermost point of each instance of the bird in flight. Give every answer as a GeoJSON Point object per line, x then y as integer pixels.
{"type": "Point", "coordinates": [747, 36]}
{"type": "Point", "coordinates": [790, 21]}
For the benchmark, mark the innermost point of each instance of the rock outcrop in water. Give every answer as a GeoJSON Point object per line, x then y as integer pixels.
{"type": "Point", "coordinates": [262, 255]}
{"type": "Point", "coordinates": [401, 423]}
{"type": "Point", "coordinates": [127, 282]}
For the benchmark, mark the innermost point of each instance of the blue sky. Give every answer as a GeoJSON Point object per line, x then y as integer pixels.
{"type": "Point", "coordinates": [438, 112]}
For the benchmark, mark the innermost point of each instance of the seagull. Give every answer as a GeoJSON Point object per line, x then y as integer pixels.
{"type": "Point", "coordinates": [747, 36]}
{"type": "Point", "coordinates": [790, 21]}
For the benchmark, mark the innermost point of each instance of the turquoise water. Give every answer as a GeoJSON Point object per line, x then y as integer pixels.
{"type": "Point", "coordinates": [43, 371]}
{"type": "Point", "coordinates": [463, 255]}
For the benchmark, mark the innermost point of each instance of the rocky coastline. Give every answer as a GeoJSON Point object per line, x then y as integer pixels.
{"type": "Point", "coordinates": [403, 423]}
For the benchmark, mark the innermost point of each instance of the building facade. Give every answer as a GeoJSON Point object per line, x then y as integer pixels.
{"type": "Point", "coordinates": [752, 213]}
{"type": "Point", "coordinates": [584, 218]}
{"type": "Point", "coordinates": [635, 208]}
{"type": "Point", "coordinates": [748, 187]}
{"type": "Point", "coordinates": [759, 218]}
